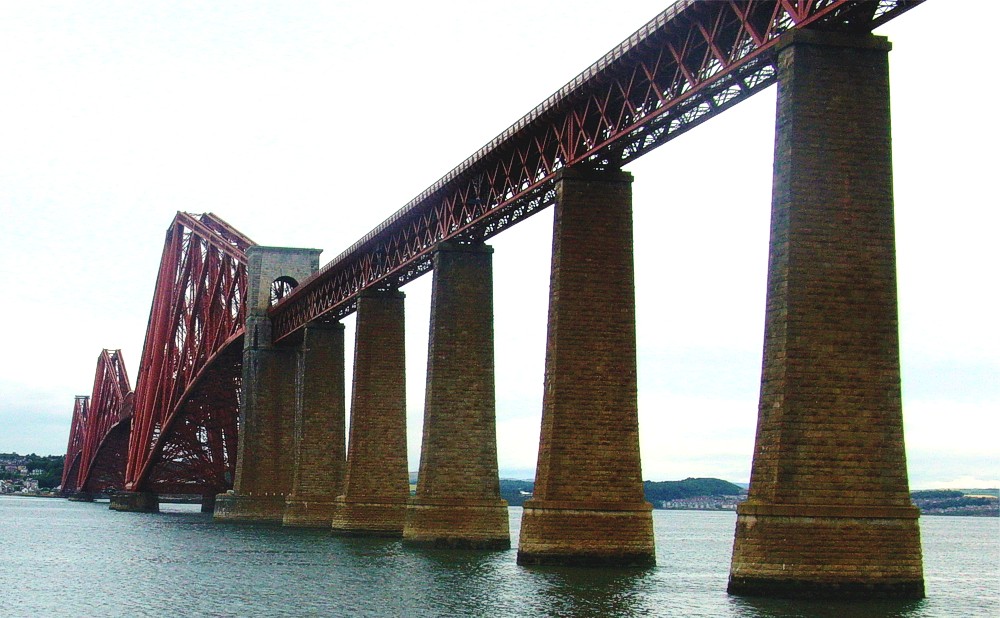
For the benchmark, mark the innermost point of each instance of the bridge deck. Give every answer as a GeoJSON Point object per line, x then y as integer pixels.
{"type": "Point", "coordinates": [694, 60]}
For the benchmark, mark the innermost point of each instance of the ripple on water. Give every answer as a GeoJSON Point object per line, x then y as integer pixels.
{"type": "Point", "coordinates": [63, 558]}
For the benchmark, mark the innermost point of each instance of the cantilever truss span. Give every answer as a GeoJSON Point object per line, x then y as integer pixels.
{"type": "Point", "coordinates": [74, 449]}
{"type": "Point", "coordinates": [98, 440]}
{"type": "Point", "coordinates": [184, 432]}
{"type": "Point", "coordinates": [690, 63]}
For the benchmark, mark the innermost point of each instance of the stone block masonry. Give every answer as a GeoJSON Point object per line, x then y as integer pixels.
{"type": "Point", "coordinates": [458, 500]}
{"type": "Point", "coordinates": [376, 483]}
{"type": "Point", "coordinates": [588, 506]}
{"type": "Point", "coordinates": [267, 264]}
{"type": "Point", "coordinates": [829, 510]}
{"type": "Point", "coordinates": [266, 454]}
{"type": "Point", "coordinates": [135, 502]}
{"type": "Point", "coordinates": [318, 476]}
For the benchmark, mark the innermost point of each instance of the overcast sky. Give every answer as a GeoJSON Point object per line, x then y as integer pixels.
{"type": "Point", "coordinates": [308, 123]}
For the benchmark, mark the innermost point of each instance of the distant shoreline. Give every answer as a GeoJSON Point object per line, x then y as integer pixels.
{"type": "Point", "coordinates": [705, 510]}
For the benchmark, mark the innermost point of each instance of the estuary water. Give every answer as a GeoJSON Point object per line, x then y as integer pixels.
{"type": "Point", "coordinates": [60, 558]}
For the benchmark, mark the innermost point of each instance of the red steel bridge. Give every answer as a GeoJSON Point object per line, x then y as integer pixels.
{"type": "Point", "coordinates": [177, 431]}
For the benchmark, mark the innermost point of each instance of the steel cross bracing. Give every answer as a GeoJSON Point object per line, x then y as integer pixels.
{"type": "Point", "coordinates": [99, 435]}
{"type": "Point", "coordinates": [693, 61]}
{"type": "Point", "coordinates": [74, 448]}
{"type": "Point", "coordinates": [185, 427]}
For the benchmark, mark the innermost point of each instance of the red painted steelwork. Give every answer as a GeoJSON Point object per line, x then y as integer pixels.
{"type": "Point", "coordinates": [100, 429]}
{"type": "Point", "coordinates": [74, 448]}
{"type": "Point", "coordinates": [693, 61]}
{"type": "Point", "coordinates": [184, 430]}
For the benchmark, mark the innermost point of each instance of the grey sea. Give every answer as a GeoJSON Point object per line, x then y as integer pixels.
{"type": "Point", "coordinates": [60, 558]}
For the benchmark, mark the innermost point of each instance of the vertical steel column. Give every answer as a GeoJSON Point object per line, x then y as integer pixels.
{"type": "Point", "coordinates": [829, 511]}
{"type": "Point", "coordinates": [588, 505]}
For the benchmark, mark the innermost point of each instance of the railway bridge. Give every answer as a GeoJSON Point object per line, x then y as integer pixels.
{"type": "Point", "coordinates": [241, 392]}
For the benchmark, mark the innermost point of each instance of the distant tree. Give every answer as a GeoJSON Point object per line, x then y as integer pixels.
{"type": "Point", "coordinates": [935, 494]}
{"type": "Point", "coordinates": [51, 467]}
{"type": "Point", "coordinates": [514, 491]}
{"type": "Point", "coordinates": [689, 488]}
{"type": "Point", "coordinates": [50, 480]}
{"type": "Point", "coordinates": [511, 491]}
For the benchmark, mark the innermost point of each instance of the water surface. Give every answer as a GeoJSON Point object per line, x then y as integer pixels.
{"type": "Point", "coordinates": [60, 558]}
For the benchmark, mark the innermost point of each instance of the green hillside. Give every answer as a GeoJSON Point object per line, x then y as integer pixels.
{"type": "Point", "coordinates": [516, 492]}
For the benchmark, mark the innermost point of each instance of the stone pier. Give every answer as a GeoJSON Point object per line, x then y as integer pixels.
{"type": "Point", "coordinates": [458, 500]}
{"type": "Point", "coordinates": [318, 475]}
{"type": "Point", "coordinates": [588, 506]}
{"type": "Point", "coordinates": [208, 503]}
{"type": "Point", "coordinates": [266, 455]}
{"type": "Point", "coordinates": [376, 483]}
{"type": "Point", "coordinates": [135, 502]}
{"type": "Point", "coordinates": [829, 511]}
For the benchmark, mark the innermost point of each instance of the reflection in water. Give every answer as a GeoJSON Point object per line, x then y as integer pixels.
{"type": "Point", "coordinates": [586, 592]}
{"type": "Point", "coordinates": [777, 608]}
{"type": "Point", "coordinates": [78, 559]}
{"type": "Point", "coordinates": [450, 583]}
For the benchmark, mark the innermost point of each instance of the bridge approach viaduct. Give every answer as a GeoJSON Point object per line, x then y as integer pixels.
{"type": "Point", "coordinates": [828, 512]}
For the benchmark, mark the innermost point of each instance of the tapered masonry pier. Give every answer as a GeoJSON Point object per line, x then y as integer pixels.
{"type": "Point", "coordinates": [376, 483]}
{"type": "Point", "coordinates": [588, 506]}
{"type": "Point", "coordinates": [458, 500]}
{"type": "Point", "coordinates": [829, 512]}
{"type": "Point", "coordinates": [318, 477]}
{"type": "Point", "coordinates": [266, 454]}
{"type": "Point", "coordinates": [135, 502]}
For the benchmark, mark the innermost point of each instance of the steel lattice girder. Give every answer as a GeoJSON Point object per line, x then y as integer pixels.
{"type": "Point", "coordinates": [107, 469]}
{"type": "Point", "coordinates": [693, 61]}
{"type": "Point", "coordinates": [74, 448]}
{"type": "Point", "coordinates": [101, 464]}
{"type": "Point", "coordinates": [183, 436]}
